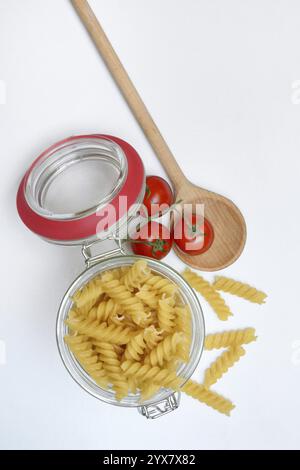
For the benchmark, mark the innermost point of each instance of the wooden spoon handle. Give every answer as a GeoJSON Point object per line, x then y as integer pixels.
{"type": "Point", "coordinates": [129, 92]}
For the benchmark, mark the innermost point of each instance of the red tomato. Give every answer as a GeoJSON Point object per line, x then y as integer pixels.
{"type": "Point", "coordinates": [158, 192]}
{"type": "Point", "coordinates": [193, 235]}
{"type": "Point", "coordinates": [153, 240]}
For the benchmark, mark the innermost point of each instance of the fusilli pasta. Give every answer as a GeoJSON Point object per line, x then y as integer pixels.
{"type": "Point", "coordinates": [85, 298]}
{"type": "Point", "coordinates": [147, 296]}
{"type": "Point", "coordinates": [135, 348]}
{"type": "Point", "coordinates": [210, 398]}
{"type": "Point", "coordinates": [105, 310]}
{"type": "Point", "coordinates": [136, 275]}
{"type": "Point", "coordinates": [112, 367]}
{"type": "Point", "coordinates": [146, 372]}
{"type": "Point", "coordinates": [148, 389]}
{"type": "Point", "coordinates": [229, 338]}
{"type": "Point", "coordinates": [221, 365]}
{"type": "Point", "coordinates": [162, 285]}
{"type": "Point", "coordinates": [165, 351]}
{"type": "Point", "coordinates": [184, 324]}
{"type": "Point", "coordinates": [116, 291]}
{"type": "Point", "coordinates": [209, 293]}
{"type": "Point", "coordinates": [166, 314]}
{"type": "Point", "coordinates": [83, 350]}
{"type": "Point", "coordinates": [112, 333]}
{"type": "Point", "coordinates": [152, 336]}
{"type": "Point", "coordinates": [130, 330]}
{"type": "Point", "coordinates": [240, 289]}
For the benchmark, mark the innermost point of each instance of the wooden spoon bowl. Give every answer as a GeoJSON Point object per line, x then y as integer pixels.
{"type": "Point", "coordinates": [228, 225]}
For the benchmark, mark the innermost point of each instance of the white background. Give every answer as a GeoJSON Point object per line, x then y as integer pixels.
{"type": "Point", "coordinates": [218, 78]}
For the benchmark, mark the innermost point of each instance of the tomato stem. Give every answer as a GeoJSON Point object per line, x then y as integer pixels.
{"type": "Point", "coordinates": [147, 192]}
{"type": "Point", "coordinates": [157, 245]}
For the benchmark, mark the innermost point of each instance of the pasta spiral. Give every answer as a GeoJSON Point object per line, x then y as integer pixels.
{"type": "Point", "coordinates": [111, 365]}
{"type": "Point", "coordinates": [221, 365]}
{"type": "Point", "coordinates": [184, 324]}
{"type": "Point", "coordinates": [166, 314]}
{"type": "Point", "coordinates": [152, 336]}
{"type": "Point", "coordinates": [85, 298]}
{"type": "Point", "coordinates": [210, 398]}
{"type": "Point", "coordinates": [147, 296]}
{"type": "Point", "coordinates": [135, 348]}
{"type": "Point", "coordinates": [240, 289]}
{"type": "Point", "coordinates": [161, 285]}
{"type": "Point", "coordinates": [141, 318]}
{"type": "Point", "coordinates": [209, 293]}
{"type": "Point", "coordinates": [146, 372]}
{"type": "Point", "coordinates": [123, 297]}
{"type": "Point", "coordinates": [82, 349]}
{"type": "Point", "coordinates": [229, 338]}
{"type": "Point", "coordinates": [105, 310]}
{"type": "Point", "coordinates": [165, 351]}
{"type": "Point", "coordinates": [148, 389]}
{"type": "Point", "coordinates": [112, 333]}
{"type": "Point", "coordinates": [136, 275]}
{"type": "Point", "coordinates": [118, 273]}
{"type": "Point", "coordinates": [132, 384]}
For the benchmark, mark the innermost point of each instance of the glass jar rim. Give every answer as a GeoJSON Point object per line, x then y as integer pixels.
{"type": "Point", "coordinates": [61, 157]}
{"type": "Point", "coordinates": [85, 225]}
{"type": "Point", "coordinates": [198, 330]}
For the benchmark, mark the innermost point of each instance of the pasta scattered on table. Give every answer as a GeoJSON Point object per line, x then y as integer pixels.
{"type": "Point", "coordinates": [210, 398]}
{"type": "Point", "coordinates": [209, 293]}
{"type": "Point", "coordinates": [229, 338]}
{"type": "Point", "coordinates": [240, 289]}
{"type": "Point", "coordinates": [221, 365]}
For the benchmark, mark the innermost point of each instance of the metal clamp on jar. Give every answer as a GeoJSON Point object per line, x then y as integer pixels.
{"type": "Point", "coordinates": [64, 197]}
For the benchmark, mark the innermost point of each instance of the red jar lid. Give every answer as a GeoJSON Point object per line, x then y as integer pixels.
{"type": "Point", "coordinates": [67, 192]}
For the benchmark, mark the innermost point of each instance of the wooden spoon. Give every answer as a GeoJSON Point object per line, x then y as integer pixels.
{"type": "Point", "coordinates": [227, 221]}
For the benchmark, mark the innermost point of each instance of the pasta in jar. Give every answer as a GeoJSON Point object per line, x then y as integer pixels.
{"type": "Point", "coordinates": [130, 330]}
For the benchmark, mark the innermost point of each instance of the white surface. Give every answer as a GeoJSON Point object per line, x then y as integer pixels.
{"type": "Point", "coordinates": [218, 77]}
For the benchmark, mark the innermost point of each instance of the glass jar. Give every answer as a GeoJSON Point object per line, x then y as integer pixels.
{"type": "Point", "coordinates": [165, 400]}
{"type": "Point", "coordinates": [61, 198]}
{"type": "Point", "coordinates": [66, 192]}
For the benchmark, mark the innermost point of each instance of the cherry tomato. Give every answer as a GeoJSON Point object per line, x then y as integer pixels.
{"type": "Point", "coordinates": [153, 240]}
{"type": "Point", "coordinates": [158, 192]}
{"type": "Point", "coordinates": [193, 234]}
